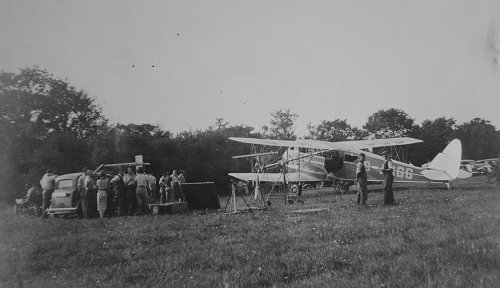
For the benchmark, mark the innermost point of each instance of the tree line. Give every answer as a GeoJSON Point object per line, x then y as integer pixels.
{"type": "Point", "coordinates": [47, 123]}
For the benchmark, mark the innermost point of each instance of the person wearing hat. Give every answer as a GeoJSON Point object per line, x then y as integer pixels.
{"type": "Point", "coordinates": [387, 169]}
{"type": "Point", "coordinates": [361, 178]}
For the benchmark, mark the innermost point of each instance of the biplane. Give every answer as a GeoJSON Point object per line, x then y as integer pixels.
{"type": "Point", "coordinates": [317, 161]}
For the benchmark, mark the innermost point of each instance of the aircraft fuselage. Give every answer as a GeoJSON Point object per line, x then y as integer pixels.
{"type": "Point", "coordinates": [342, 165]}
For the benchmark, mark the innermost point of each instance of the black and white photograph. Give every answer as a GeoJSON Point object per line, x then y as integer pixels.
{"type": "Point", "coordinates": [249, 143]}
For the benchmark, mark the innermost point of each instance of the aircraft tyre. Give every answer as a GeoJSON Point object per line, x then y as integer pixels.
{"type": "Point", "coordinates": [294, 189]}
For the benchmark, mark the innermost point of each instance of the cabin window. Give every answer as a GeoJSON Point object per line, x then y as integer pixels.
{"type": "Point", "coordinates": [350, 157]}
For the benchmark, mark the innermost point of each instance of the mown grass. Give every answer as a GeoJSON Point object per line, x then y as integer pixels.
{"type": "Point", "coordinates": [431, 238]}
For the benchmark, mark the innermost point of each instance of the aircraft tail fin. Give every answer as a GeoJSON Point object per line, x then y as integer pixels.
{"type": "Point", "coordinates": [445, 166]}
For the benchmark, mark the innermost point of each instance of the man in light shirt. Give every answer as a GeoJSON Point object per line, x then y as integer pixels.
{"type": "Point", "coordinates": [176, 186]}
{"type": "Point", "coordinates": [82, 205]}
{"type": "Point", "coordinates": [141, 192]}
{"type": "Point", "coordinates": [47, 182]}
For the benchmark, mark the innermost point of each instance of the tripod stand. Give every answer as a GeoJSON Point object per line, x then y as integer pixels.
{"type": "Point", "coordinates": [257, 194]}
{"type": "Point", "coordinates": [232, 199]}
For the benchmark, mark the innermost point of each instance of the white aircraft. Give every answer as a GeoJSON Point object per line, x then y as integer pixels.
{"type": "Point", "coordinates": [319, 161]}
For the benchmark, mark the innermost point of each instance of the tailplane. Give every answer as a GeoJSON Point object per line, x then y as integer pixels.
{"type": "Point", "coordinates": [445, 166]}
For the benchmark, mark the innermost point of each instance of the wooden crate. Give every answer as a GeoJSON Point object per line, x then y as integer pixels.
{"type": "Point", "coordinates": [168, 208]}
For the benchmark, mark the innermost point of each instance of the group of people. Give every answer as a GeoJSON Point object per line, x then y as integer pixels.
{"type": "Point", "coordinates": [362, 180]}
{"type": "Point", "coordinates": [132, 191]}
{"type": "Point", "coordinates": [129, 192]}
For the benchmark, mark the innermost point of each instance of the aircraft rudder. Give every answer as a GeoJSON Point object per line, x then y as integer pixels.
{"type": "Point", "coordinates": [448, 161]}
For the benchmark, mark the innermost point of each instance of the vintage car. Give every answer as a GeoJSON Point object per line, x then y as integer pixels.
{"type": "Point", "coordinates": [65, 198]}
{"type": "Point", "coordinates": [487, 165]}
{"type": "Point", "coordinates": [480, 167]}
{"type": "Point", "coordinates": [470, 166]}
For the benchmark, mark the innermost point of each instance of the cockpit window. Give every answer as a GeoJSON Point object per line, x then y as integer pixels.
{"type": "Point", "coordinates": [350, 157]}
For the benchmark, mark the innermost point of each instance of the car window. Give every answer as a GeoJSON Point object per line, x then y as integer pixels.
{"type": "Point", "coordinates": [67, 183]}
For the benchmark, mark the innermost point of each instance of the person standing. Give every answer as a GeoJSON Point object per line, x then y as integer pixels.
{"type": "Point", "coordinates": [257, 168]}
{"type": "Point", "coordinates": [163, 189]}
{"type": "Point", "coordinates": [47, 182]}
{"type": "Point", "coordinates": [82, 205]}
{"type": "Point", "coordinates": [361, 178]}
{"type": "Point", "coordinates": [130, 186]}
{"type": "Point", "coordinates": [102, 196]}
{"type": "Point", "coordinates": [141, 192]}
{"type": "Point", "coordinates": [90, 193]}
{"type": "Point", "coordinates": [490, 171]}
{"type": "Point", "coordinates": [168, 189]}
{"type": "Point", "coordinates": [494, 172]}
{"type": "Point", "coordinates": [176, 187]}
{"type": "Point", "coordinates": [182, 179]}
{"type": "Point", "coordinates": [387, 169]}
{"type": "Point", "coordinates": [120, 192]}
{"type": "Point", "coordinates": [33, 195]}
{"type": "Point", "coordinates": [152, 188]}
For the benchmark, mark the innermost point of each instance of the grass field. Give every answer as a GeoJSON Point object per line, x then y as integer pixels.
{"type": "Point", "coordinates": [432, 238]}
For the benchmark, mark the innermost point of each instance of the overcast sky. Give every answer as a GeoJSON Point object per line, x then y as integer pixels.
{"type": "Point", "coordinates": [182, 64]}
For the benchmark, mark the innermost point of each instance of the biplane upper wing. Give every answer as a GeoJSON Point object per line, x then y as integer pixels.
{"type": "Point", "coordinates": [357, 144]}
{"type": "Point", "coordinates": [275, 177]}
{"type": "Point", "coordinates": [325, 145]}
{"type": "Point", "coordinates": [266, 142]}
{"type": "Point", "coordinates": [366, 144]}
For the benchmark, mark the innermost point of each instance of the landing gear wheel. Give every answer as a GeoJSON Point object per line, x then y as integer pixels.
{"type": "Point", "coordinates": [294, 189]}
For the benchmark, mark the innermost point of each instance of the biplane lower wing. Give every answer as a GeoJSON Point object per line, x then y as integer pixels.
{"type": "Point", "coordinates": [275, 177]}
